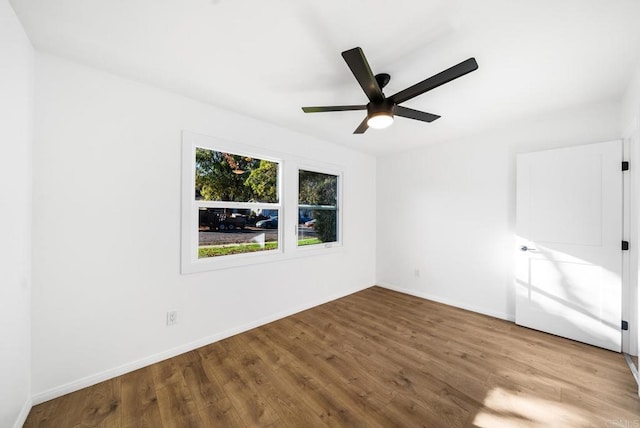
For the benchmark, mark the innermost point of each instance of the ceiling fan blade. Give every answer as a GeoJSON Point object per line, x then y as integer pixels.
{"type": "Point", "coordinates": [415, 114]}
{"type": "Point", "coordinates": [432, 82]}
{"type": "Point", "coordinates": [359, 66]}
{"type": "Point", "coordinates": [362, 127]}
{"type": "Point", "coordinates": [332, 108]}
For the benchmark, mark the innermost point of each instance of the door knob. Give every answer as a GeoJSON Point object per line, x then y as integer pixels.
{"type": "Point", "coordinates": [525, 248]}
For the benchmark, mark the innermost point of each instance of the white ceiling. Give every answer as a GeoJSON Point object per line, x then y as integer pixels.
{"type": "Point", "coordinates": [267, 58]}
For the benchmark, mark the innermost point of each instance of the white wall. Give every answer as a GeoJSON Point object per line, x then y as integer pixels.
{"type": "Point", "coordinates": [448, 210]}
{"type": "Point", "coordinates": [630, 114]}
{"type": "Point", "coordinates": [106, 230]}
{"type": "Point", "coordinates": [16, 77]}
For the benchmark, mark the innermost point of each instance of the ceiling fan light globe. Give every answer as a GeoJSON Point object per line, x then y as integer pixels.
{"type": "Point", "coordinates": [380, 121]}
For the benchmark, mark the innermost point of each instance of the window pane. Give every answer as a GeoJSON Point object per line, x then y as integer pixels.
{"type": "Point", "coordinates": [317, 189]}
{"type": "Point", "coordinates": [229, 177]}
{"type": "Point", "coordinates": [317, 208]}
{"type": "Point", "coordinates": [223, 232]}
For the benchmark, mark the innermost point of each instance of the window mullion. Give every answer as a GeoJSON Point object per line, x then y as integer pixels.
{"type": "Point", "coordinates": [241, 205]}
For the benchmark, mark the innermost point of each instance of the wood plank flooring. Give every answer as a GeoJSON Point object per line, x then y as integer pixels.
{"type": "Point", "coordinates": [376, 358]}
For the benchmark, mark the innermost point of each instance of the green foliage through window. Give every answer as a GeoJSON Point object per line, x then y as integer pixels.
{"type": "Point", "coordinates": [224, 176]}
{"type": "Point", "coordinates": [317, 189]}
{"type": "Point", "coordinates": [318, 195]}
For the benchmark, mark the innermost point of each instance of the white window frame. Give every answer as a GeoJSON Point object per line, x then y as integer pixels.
{"type": "Point", "coordinates": [287, 206]}
{"type": "Point", "coordinates": [328, 171]}
{"type": "Point", "coordinates": [190, 262]}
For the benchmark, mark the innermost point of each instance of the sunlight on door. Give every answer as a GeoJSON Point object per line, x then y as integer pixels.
{"type": "Point", "coordinates": [569, 290]}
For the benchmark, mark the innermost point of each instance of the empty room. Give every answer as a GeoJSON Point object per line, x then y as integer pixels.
{"type": "Point", "coordinates": [219, 213]}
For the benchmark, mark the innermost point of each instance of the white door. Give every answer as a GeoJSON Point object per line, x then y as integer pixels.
{"type": "Point", "coordinates": [569, 232]}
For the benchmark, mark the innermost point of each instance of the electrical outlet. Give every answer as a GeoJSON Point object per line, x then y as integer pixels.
{"type": "Point", "coordinates": [172, 317]}
{"type": "Point", "coordinates": [416, 273]}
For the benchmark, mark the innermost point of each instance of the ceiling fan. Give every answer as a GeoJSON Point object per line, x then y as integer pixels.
{"type": "Point", "coordinates": [381, 109]}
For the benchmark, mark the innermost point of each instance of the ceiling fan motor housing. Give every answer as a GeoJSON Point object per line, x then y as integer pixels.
{"type": "Point", "coordinates": [385, 107]}
{"type": "Point", "coordinates": [380, 113]}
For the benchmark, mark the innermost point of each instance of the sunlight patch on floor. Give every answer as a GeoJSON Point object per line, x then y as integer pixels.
{"type": "Point", "coordinates": [503, 408]}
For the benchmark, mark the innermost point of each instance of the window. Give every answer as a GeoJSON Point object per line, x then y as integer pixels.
{"type": "Point", "coordinates": [238, 203]}
{"type": "Point", "coordinates": [233, 206]}
{"type": "Point", "coordinates": [317, 208]}
{"type": "Point", "coordinates": [234, 212]}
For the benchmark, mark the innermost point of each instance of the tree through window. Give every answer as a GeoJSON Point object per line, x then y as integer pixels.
{"type": "Point", "coordinates": [317, 202]}
{"type": "Point", "coordinates": [238, 203]}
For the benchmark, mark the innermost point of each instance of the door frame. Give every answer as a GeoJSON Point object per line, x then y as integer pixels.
{"type": "Point", "coordinates": [629, 258]}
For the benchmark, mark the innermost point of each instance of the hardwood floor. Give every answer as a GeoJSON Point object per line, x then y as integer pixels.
{"type": "Point", "coordinates": [376, 358]}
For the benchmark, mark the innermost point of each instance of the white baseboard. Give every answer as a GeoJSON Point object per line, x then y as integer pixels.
{"type": "Point", "coordinates": [450, 302]}
{"type": "Point", "coordinates": [24, 412]}
{"type": "Point", "coordinates": [161, 356]}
